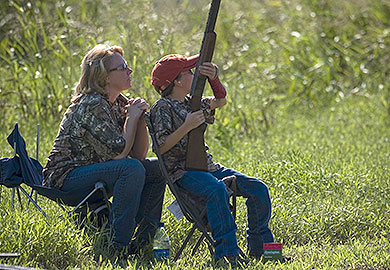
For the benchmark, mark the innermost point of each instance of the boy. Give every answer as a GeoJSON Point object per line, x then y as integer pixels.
{"type": "Point", "coordinates": [172, 119]}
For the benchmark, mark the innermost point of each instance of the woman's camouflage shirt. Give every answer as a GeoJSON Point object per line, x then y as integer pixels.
{"type": "Point", "coordinates": [90, 132]}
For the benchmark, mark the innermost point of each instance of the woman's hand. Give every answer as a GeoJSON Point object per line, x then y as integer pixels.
{"type": "Point", "coordinates": [136, 107]}
{"type": "Point", "coordinates": [194, 119]}
{"type": "Point", "coordinates": [208, 69]}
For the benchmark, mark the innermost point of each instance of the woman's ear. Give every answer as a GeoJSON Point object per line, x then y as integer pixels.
{"type": "Point", "coordinates": [177, 83]}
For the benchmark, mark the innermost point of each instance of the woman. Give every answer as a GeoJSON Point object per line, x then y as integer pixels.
{"type": "Point", "coordinates": [103, 137]}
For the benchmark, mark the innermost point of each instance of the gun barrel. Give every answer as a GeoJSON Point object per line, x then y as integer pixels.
{"type": "Point", "coordinates": [207, 49]}
{"type": "Point", "coordinates": [213, 14]}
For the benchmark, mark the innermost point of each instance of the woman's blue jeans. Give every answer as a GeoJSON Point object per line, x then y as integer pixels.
{"type": "Point", "coordinates": [223, 228]}
{"type": "Point", "coordinates": [137, 189]}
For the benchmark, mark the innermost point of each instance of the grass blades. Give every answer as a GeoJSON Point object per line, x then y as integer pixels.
{"type": "Point", "coordinates": [308, 114]}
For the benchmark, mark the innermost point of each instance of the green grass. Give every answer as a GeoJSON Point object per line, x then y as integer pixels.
{"type": "Point", "coordinates": [308, 113]}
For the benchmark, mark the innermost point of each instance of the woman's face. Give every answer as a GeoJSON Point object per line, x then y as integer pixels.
{"type": "Point", "coordinates": [119, 73]}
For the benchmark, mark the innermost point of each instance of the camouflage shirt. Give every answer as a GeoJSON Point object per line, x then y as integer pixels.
{"type": "Point", "coordinates": [90, 132]}
{"type": "Point", "coordinates": [167, 115]}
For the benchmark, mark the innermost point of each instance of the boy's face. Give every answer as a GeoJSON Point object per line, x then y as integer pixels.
{"type": "Point", "coordinates": [186, 80]}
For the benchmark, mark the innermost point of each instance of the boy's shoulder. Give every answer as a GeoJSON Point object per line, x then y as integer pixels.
{"type": "Point", "coordinates": [161, 103]}
{"type": "Point", "coordinates": [160, 109]}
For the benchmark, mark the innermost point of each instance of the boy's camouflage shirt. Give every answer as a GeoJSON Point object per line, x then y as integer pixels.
{"type": "Point", "coordinates": [167, 115]}
{"type": "Point", "coordinates": [90, 132]}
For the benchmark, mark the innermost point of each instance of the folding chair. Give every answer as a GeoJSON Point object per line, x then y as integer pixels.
{"type": "Point", "coordinates": [193, 207]}
{"type": "Point", "coordinates": [23, 169]}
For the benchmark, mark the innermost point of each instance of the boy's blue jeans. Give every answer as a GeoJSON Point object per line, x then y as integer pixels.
{"type": "Point", "coordinates": [137, 189]}
{"type": "Point", "coordinates": [210, 186]}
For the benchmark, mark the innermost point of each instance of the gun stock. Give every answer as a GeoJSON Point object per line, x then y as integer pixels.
{"type": "Point", "coordinates": [196, 156]}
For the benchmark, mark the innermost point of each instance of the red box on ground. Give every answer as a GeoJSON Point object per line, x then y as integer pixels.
{"type": "Point", "coordinates": [272, 246]}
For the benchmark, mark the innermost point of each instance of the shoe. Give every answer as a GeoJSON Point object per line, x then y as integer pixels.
{"type": "Point", "coordinates": [283, 259]}
{"type": "Point", "coordinates": [236, 260]}
{"type": "Point", "coordinates": [256, 256]}
{"type": "Point", "coordinates": [134, 248]}
{"type": "Point", "coordinates": [120, 253]}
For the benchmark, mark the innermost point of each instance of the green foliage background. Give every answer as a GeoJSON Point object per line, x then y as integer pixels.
{"type": "Point", "coordinates": [308, 113]}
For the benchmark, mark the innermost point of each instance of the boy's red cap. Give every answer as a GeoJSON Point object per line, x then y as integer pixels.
{"type": "Point", "coordinates": [168, 67]}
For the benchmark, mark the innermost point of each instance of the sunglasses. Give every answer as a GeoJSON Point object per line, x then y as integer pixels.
{"type": "Point", "coordinates": [122, 67]}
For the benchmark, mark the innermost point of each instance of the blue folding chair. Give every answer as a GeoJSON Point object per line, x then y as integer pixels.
{"type": "Point", "coordinates": [22, 169]}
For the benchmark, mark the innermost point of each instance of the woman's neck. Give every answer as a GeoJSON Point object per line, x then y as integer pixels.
{"type": "Point", "coordinates": [112, 94]}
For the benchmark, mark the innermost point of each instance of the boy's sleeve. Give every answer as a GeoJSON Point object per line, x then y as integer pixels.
{"type": "Point", "coordinates": [162, 122]}
{"type": "Point", "coordinates": [208, 113]}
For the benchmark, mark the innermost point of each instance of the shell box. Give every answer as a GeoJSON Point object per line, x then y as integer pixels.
{"type": "Point", "coordinates": [272, 251]}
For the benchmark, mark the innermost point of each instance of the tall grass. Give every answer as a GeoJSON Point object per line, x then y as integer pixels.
{"type": "Point", "coordinates": [308, 113]}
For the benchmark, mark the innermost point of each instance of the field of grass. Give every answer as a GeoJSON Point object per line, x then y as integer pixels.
{"type": "Point", "coordinates": [308, 113]}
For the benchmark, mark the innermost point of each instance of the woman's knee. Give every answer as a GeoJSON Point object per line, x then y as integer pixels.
{"type": "Point", "coordinates": [133, 168]}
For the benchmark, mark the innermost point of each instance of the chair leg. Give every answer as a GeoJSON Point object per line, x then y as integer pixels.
{"type": "Point", "coordinates": [31, 194]}
{"type": "Point", "coordinates": [13, 199]}
{"type": "Point", "coordinates": [209, 245]}
{"type": "Point", "coordinates": [201, 228]}
{"type": "Point", "coordinates": [20, 199]}
{"type": "Point", "coordinates": [211, 249]}
{"type": "Point", "coordinates": [197, 244]}
{"type": "Point", "coordinates": [61, 205]}
{"type": "Point", "coordinates": [106, 199]}
{"type": "Point", "coordinates": [184, 243]}
{"type": "Point", "coordinates": [35, 204]}
{"type": "Point", "coordinates": [97, 187]}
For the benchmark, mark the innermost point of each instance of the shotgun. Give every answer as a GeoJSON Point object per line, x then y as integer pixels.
{"type": "Point", "coordinates": [196, 156]}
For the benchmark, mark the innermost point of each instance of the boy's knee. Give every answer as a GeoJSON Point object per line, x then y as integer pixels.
{"type": "Point", "coordinates": [219, 189]}
{"type": "Point", "coordinates": [261, 189]}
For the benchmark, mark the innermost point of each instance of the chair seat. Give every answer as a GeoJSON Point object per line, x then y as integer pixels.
{"type": "Point", "coordinates": [23, 169]}
{"type": "Point", "coordinates": [54, 194]}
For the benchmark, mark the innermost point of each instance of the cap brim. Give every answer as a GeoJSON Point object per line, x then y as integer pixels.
{"type": "Point", "coordinates": [191, 62]}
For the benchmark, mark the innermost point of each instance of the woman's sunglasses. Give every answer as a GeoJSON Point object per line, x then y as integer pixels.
{"type": "Point", "coordinates": [124, 66]}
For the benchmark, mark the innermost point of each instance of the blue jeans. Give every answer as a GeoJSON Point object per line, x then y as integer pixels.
{"type": "Point", "coordinates": [223, 228]}
{"type": "Point", "coordinates": [137, 189]}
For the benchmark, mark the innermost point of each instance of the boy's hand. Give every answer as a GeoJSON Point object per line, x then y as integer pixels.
{"type": "Point", "coordinates": [208, 69]}
{"type": "Point", "coordinates": [194, 119]}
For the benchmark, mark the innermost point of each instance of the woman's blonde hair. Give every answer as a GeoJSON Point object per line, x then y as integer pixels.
{"type": "Point", "coordinates": [94, 71]}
